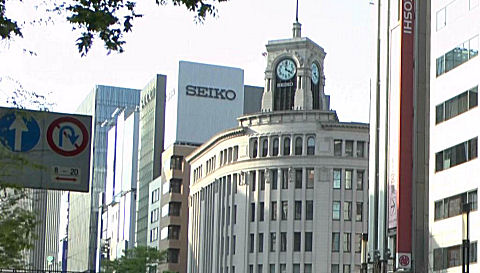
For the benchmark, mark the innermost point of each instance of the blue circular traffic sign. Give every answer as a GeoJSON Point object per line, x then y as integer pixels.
{"type": "Point", "coordinates": [19, 132]}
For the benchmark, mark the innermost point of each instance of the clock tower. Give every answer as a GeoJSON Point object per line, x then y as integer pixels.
{"type": "Point", "coordinates": [294, 78]}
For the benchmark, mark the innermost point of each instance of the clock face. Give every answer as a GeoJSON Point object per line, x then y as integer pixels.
{"type": "Point", "coordinates": [286, 69]}
{"type": "Point", "coordinates": [315, 74]}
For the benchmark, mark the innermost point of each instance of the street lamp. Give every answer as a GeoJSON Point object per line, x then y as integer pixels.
{"type": "Point", "coordinates": [465, 238]}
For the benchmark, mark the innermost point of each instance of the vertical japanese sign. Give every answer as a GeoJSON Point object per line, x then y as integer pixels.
{"type": "Point", "coordinates": [404, 188]}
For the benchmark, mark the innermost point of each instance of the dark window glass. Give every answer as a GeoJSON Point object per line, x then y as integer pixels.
{"type": "Point", "coordinates": [251, 243]}
{"type": "Point", "coordinates": [264, 147]}
{"type": "Point", "coordinates": [284, 210]}
{"type": "Point", "coordinates": [337, 147]}
{"type": "Point", "coordinates": [360, 148]}
{"type": "Point", "coordinates": [308, 241]}
{"type": "Point", "coordinates": [260, 242]}
{"type": "Point", "coordinates": [335, 242]}
{"type": "Point", "coordinates": [261, 215]}
{"type": "Point", "coordinates": [297, 237]}
{"type": "Point", "coordinates": [254, 148]}
{"type": "Point", "coordinates": [252, 212]}
{"type": "Point", "coordinates": [439, 210]}
{"type": "Point", "coordinates": [283, 241]}
{"type": "Point", "coordinates": [310, 178]}
{"type": "Point", "coordinates": [253, 175]}
{"type": "Point", "coordinates": [298, 210]}
{"type": "Point", "coordinates": [284, 179]}
{"type": "Point", "coordinates": [298, 146]}
{"type": "Point", "coordinates": [456, 155]}
{"type": "Point", "coordinates": [174, 208]}
{"type": "Point", "coordinates": [273, 241]}
{"type": "Point", "coordinates": [360, 180]}
{"type": "Point", "coordinates": [173, 232]}
{"type": "Point", "coordinates": [275, 147]}
{"type": "Point", "coordinates": [176, 185]}
{"type": "Point", "coordinates": [274, 211]}
{"type": "Point", "coordinates": [439, 113]}
{"type": "Point", "coordinates": [172, 255]}
{"type": "Point", "coordinates": [298, 178]}
{"type": "Point", "coordinates": [176, 162]}
{"type": "Point", "coordinates": [274, 179]}
{"type": "Point", "coordinates": [262, 180]}
{"type": "Point", "coordinates": [473, 97]}
{"type": "Point", "coordinates": [309, 210]}
{"type": "Point", "coordinates": [286, 146]}
{"type": "Point", "coordinates": [349, 147]}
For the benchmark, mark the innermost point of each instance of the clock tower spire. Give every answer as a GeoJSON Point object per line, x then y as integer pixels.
{"type": "Point", "coordinates": [294, 78]}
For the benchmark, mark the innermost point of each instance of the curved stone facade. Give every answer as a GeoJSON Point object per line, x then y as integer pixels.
{"type": "Point", "coordinates": [284, 192]}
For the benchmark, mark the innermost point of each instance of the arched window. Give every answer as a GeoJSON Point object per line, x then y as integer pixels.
{"type": "Point", "coordinates": [286, 146]}
{"type": "Point", "coordinates": [298, 146]}
{"type": "Point", "coordinates": [264, 147]}
{"type": "Point", "coordinates": [275, 147]}
{"type": "Point", "coordinates": [310, 145]}
{"type": "Point", "coordinates": [255, 148]}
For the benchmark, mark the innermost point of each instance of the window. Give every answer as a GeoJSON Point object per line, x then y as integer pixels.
{"type": "Point", "coordinates": [274, 211]}
{"type": "Point", "coordinates": [176, 162]}
{"type": "Point", "coordinates": [359, 212]}
{"type": "Point", "coordinates": [298, 210]}
{"type": "Point", "coordinates": [261, 213]}
{"type": "Point", "coordinates": [452, 206]}
{"type": "Point", "coordinates": [252, 212]}
{"type": "Point", "coordinates": [283, 241]}
{"type": "Point", "coordinates": [274, 174]}
{"type": "Point", "coordinates": [347, 242]}
{"type": "Point", "coordinates": [348, 179]}
{"type": "Point", "coordinates": [456, 105]}
{"type": "Point", "coordinates": [251, 243]}
{"type": "Point", "coordinates": [307, 268]}
{"type": "Point", "coordinates": [234, 216]}
{"type": "Point", "coordinates": [358, 242]}
{"type": "Point", "coordinates": [275, 147]}
{"type": "Point", "coordinates": [310, 145]}
{"type": "Point", "coordinates": [335, 242]}
{"type": "Point", "coordinates": [173, 232]}
{"type": "Point", "coordinates": [234, 244]}
{"type": "Point", "coordinates": [309, 210]}
{"type": "Point", "coordinates": [360, 148]}
{"type": "Point", "coordinates": [284, 179]}
{"type": "Point", "coordinates": [262, 180]}
{"type": "Point", "coordinates": [254, 148]}
{"type": "Point", "coordinates": [286, 146]}
{"type": "Point", "coordinates": [336, 210]}
{"type": "Point", "coordinates": [283, 268]}
{"type": "Point", "coordinates": [172, 255]}
{"type": "Point", "coordinates": [452, 256]}
{"type": "Point", "coordinates": [155, 195]}
{"type": "Point", "coordinates": [154, 234]}
{"type": "Point", "coordinates": [310, 178]}
{"type": "Point", "coordinates": [457, 56]}
{"type": "Point", "coordinates": [227, 245]}
{"type": "Point", "coordinates": [297, 237]}
{"type": "Point", "coordinates": [174, 208]}
{"type": "Point", "coordinates": [298, 178]}
{"type": "Point", "coordinates": [272, 268]}
{"type": "Point", "coordinates": [456, 155]}
{"type": "Point", "coordinates": [298, 146]}
{"type": "Point", "coordinates": [335, 268]}
{"type": "Point", "coordinates": [264, 147]}
{"type": "Point", "coordinates": [284, 210]}
{"type": "Point", "coordinates": [296, 268]}
{"type": "Point", "coordinates": [348, 147]}
{"type": "Point", "coordinates": [260, 242]}
{"type": "Point", "coordinates": [337, 147]}
{"type": "Point", "coordinates": [154, 215]}
{"type": "Point", "coordinates": [337, 178]}
{"type": "Point", "coordinates": [175, 185]}
{"type": "Point", "coordinates": [360, 180]}
{"type": "Point", "coordinates": [308, 241]}
{"type": "Point", "coordinates": [273, 241]}
{"type": "Point", "coordinates": [253, 175]}
{"type": "Point", "coordinates": [259, 268]}
{"type": "Point", "coordinates": [346, 268]}
{"type": "Point", "coordinates": [347, 211]}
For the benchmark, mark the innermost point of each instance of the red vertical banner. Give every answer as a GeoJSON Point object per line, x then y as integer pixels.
{"type": "Point", "coordinates": [404, 194]}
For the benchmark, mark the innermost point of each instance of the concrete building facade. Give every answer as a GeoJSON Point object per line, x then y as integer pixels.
{"type": "Point", "coordinates": [286, 190]}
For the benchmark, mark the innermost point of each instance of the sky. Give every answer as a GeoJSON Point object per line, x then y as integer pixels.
{"type": "Point", "coordinates": [165, 35]}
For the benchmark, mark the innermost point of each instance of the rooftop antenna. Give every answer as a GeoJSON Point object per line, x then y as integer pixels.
{"type": "Point", "coordinates": [296, 17]}
{"type": "Point", "coordinates": [297, 27]}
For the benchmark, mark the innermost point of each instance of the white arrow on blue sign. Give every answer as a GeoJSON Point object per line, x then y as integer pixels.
{"type": "Point", "coordinates": [18, 132]}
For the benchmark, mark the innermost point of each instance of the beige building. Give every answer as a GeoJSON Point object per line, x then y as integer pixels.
{"type": "Point", "coordinates": [286, 190]}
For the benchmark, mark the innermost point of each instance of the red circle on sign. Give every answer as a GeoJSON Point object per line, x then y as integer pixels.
{"type": "Point", "coordinates": [55, 148]}
{"type": "Point", "coordinates": [404, 260]}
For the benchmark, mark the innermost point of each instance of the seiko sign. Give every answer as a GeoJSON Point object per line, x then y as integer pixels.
{"type": "Point", "coordinates": [210, 92]}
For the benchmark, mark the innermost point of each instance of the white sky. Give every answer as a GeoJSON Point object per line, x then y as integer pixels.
{"type": "Point", "coordinates": [168, 34]}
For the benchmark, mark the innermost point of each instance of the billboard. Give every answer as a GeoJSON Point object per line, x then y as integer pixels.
{"type": "Point", "coordinates": [404, 188]}
{"type": "Point", "coordinates": [45, 150]}
{"type": "Point", "coordinates": [209, 98]}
